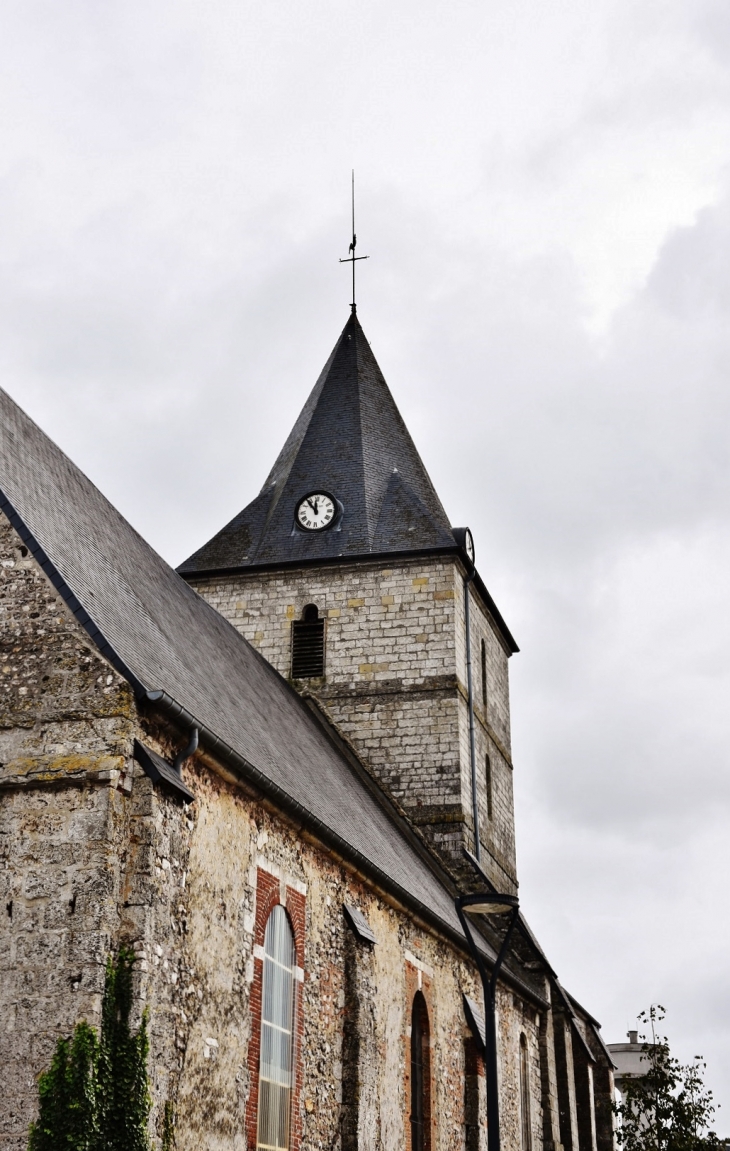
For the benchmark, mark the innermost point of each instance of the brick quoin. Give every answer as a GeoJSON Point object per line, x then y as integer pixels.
{"type": "Point", "coordinates": [268, 895]}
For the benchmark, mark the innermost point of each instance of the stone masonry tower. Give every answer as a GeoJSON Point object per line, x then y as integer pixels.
{"type": "Point", "coordinates": [345, 574]}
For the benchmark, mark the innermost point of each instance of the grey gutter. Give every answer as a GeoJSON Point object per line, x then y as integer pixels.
{"type": "Point", "coordinates": [470, 707]}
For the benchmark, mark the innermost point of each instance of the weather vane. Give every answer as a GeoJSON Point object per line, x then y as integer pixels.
{"type": "Point", "coordinates": [352, 258]}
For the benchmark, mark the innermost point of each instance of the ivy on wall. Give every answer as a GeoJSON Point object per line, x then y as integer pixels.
{"type": "Point", "coordinates": [124, 1098]}
{"type": "Point", "coordinates": [168, 1127]}
{"type": "Point", "coordinates": [95, 1095]}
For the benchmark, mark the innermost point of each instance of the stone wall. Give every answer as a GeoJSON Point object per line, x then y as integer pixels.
{"type": "Point", "coordinates": [356, 1001]}
{"type": "Point", "coordinates": [65, 726]}
{"type": "Point", "coordinates": [92, 856]}
{"type": "Point", "coordinates": [395, 685]}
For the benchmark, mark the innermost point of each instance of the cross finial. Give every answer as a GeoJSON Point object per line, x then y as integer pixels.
{"type": "Point", "coordinates": [352, 258]}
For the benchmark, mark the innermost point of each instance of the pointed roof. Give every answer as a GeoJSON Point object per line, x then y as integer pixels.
{"type": "Point", "coordinates": [350, 441]}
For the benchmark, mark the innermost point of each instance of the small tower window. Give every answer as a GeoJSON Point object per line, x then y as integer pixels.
{"type": "Point", "coordinates": [488, 784]}
{"type": "Point", "coordinates": [484, 676]}
{"type": "Point", "coordinates": [307, 646]}
{"type": "Point", "coordinates": [420, 1075]}
{"type": "Point", "coordinates": [525, 1120]}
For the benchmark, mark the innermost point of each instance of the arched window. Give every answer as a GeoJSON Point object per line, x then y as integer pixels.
{"type": "Point", "coordinates": [420, 1076]}
{"type": "Point", "coordinates": [525, 1122]}
{"type": "Point", "coordinates": [277, 1017]}
{"type": "Point", "coordinates": [307, 645]}
{"type": "Point", "coordinates": [484, 676]}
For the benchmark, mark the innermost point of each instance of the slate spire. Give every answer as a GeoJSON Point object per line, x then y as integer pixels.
{"type": "Point", "coordinates": [349, 441]}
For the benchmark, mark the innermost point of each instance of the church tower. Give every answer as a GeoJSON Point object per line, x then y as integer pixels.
{"type": "Point", "coordinates": [346, 575]}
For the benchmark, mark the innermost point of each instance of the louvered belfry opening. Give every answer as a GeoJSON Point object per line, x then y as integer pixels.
{"type": "Point", "coordinates": [307, 645]}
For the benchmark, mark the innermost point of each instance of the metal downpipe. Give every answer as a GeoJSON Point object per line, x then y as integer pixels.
{"type": "Point", "coordinates": [470, 695]}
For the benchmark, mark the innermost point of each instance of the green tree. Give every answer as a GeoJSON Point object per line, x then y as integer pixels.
{"type": "Point", "coordinates": [668, 1108]}
{"type": "Point", "coordinates": [95, 1095]}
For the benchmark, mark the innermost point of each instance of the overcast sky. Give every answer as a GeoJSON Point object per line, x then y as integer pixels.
{"type": "Point", "coordinates": [543, 190]}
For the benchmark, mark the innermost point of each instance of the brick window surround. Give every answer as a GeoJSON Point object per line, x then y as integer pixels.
{"type": "Point", "coordinates": [417, 980]}
{"type": "Point", "coordinates": [268, 895]}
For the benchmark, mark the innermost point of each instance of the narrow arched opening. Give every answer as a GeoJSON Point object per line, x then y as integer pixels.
{"type": "Point", "coordinates": [277, 1033]}
{"type": "Point", "coordinates": [420, 1075]}
{"type": "Point", "coordinates": [525, 1117]}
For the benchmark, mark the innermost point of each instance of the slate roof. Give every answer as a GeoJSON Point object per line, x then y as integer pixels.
{"type": "Point", "coordinates": [165, 638]}
{"type": "Point", "coordinates": [350, 441]}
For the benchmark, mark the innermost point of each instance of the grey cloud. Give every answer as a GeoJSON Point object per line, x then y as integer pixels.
{"type": "Point", "coordinates": [173, 203]}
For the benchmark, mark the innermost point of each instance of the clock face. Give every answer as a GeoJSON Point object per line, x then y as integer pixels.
{"type": "Point", "coordinates": [316, 512]}
{"type": "Point", "coordinates": [469, 544]}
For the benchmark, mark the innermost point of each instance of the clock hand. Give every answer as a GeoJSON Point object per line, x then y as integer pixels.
{"type": "Point", "coordinates": [314, 505]}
